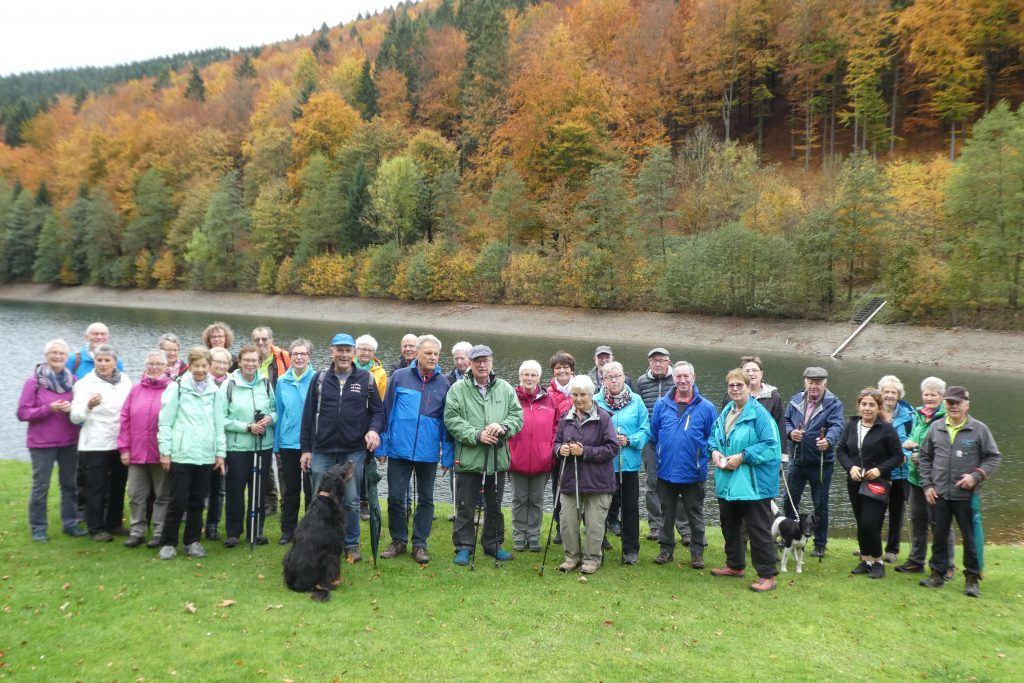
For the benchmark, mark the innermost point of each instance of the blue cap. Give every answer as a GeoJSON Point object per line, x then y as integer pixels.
{"type": "Point", "coordinates": [342, 339]}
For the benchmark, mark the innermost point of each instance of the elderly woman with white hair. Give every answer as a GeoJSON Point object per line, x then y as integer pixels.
{"type": "Point", "coordinates": [922, 515]}
{"type": "Point", "coordinates": [531, 457]}
{"type": "Point", "coordinates": [460, 361]}
{"type": "Point", "coordinates": [45, 405]}
{"type": "Point", "coordinates": [901, 416]}
{"type": "Point", "coordinates": [587, 443]}
{"type": "Point", "coordinates": [171, 347]}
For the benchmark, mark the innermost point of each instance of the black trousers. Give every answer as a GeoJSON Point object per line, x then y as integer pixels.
{"type": "Point", "coordinates": [105, 480]}
{"type": "Point", "coordinates": [756, 515]}
{"type": "Point", "coordinates": [898, 497]}
{"type": "Point", "coordinates": [467, 491]}
{"type": "Point", "coordinates": [968, 517]}
{"type": "Point", "coordinates": [870, 514]}
{"type": "Point", "coordinates": [189, 485]}
{"type": "Point", "coordinates": [215, 503]}
{"type": "Point", "coordinates": [297, 487]}
{"type": "Point", "coordinates": [556, 499]}
{"type": "Point", "coordinates": [627, 500]}
{"type": "Point", "coordinates": [238, 479]}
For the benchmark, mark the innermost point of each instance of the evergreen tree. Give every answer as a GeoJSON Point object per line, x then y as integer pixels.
{"type": "Point", "coordinates": [154, 210]}
{"type": "Point", "coordinates": [162, 81]}
{"type": "Point", "coordinates": [275, 227]}
{"type": "Point", "coordinates": [397, 199]}
{"type": "Point", "coordinates": [511, 208]}
{"type": "Point", "coordinates": [654, 203]}
{"type": "Point", "coordinates": [196, 88]}
{"type": "Point", "coordinates": [216, 252]}
{"type": "Point", "coordinates": [356, 203]}
{"type": "Point", "coordinates": [861, 211]}
{"type": "Point", "coordinates": [24, 221]}
{"type": "Point", "coordinates": [77, 218]}
{"type": "Point", "coordinates": [484, 80]}
{"type": "Point", "coordinates": [102, 235]}
{"type": "Point", "coordinates": [322, 45]}
{"type": "Point", "coordinates": [366, 93]}
{"type": "Point", "coordinates": [246, 69]}
{"type": "Point", "coordinates": [51, 252]}
{"type": "Point", "coordinates": [319, 211]}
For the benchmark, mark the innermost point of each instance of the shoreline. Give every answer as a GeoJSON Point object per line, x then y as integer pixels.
{"type": "Point", "coordinates": [963, 348]}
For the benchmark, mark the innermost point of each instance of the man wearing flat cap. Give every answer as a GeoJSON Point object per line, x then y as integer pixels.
{"type": "Point", "coordinates": [603, 355]}
{"type": "Point", "coordinates": [481, 414]}
{"type": "Point", "coordinates": [814, 422]}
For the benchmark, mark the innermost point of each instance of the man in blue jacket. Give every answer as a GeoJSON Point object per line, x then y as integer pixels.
{"type": "Point", "coordinates": [681, 423]}
{"type": "Point", "coordinates": [342, 420]}
{"type": "Point", "coordinates": [415, 439]}
{"type": "Point", "coordinates": [814, 422]}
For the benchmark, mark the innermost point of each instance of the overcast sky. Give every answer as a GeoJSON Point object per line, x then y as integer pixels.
{"type": "Point", "coordinates": [40, 35]}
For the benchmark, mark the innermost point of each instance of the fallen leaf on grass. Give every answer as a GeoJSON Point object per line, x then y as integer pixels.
{"type": "Point", "coordinates": [609, 622]}
{"type": "Point", "coordinates": [582, 579]}
{"type": "Point", "coordinates": [65, 586]}
{"type": "Point", "coordinates": [64, 606]}
{"type": "Point", "coordinates": [191, 609]}
{"type": "Point", "coordinates": [287, 680]}
{"type": "Point", "coordinates": [260, 577]}
{"type": "Point", "coordinates": [270, 607]}
{"type": "Point", "coordinates": [225, 603]}
{"type": "Point", "coordinates": [369, 629]}
{"type": "Point", "coordinates": [1001, 655]}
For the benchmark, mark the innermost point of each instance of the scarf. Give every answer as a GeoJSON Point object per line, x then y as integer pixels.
{"type": "Point", "coordinates": [620, 401]}
{"type": "Point", "coordinates": [115, 377]}
{"type": "Point", "coordinates": [57, 383]}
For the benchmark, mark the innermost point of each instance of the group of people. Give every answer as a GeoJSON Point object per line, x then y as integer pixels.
{"type": "Point", "coordinates": [197, 431]}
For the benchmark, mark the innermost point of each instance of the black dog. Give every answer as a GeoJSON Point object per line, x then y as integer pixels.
{"type": "Point", "coordinates": [792, 535]}
{"type": "Point", "coordinates": [313, 563]}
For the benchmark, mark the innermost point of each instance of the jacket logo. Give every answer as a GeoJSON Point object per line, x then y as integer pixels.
{"type": "Point", "coordinates": [356, 387]}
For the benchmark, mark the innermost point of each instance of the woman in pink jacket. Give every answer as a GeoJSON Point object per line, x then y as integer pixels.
{"type": "Point", "coordinates": [45, 404]}
{"type": "Point", "coordinates": [532, 457]}
{"type": "Point", "coordinates": [136, 442]}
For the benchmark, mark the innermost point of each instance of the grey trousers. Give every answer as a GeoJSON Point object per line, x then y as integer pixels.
{"type": "Point", "coordinates": [141, 480]}
{"type": "Point", "coordinates": [595, 510]}
{"type": "Point", "coordinates": [691, 506]}
{"type": "Point", "coordinates": [43, 459]}
{"type": "Point", "coordinates": [651, 499]}
{"type": "Point", "coordinates": [527, 511]}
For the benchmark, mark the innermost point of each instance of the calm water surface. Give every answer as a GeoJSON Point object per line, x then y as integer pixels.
{"type": "Point", "coordinates": [998, 400]}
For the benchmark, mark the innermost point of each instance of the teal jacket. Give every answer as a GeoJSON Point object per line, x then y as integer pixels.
{"type": "Point", "coordinates": [191, 429]}
{"type": "Point", "coordinates": [633, 422]}
{"type": "Point", "coordinates": [240, 411]}
{"type": "Point", "coordinates": [756, 435]}
{"type": "Point", "coordinates": [917, 434]}
{"type": "Point", "coordinates": [466, 413]}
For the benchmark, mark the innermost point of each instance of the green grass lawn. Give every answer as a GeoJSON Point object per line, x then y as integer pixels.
{"type": "Point", "coordinates": [73, 609]}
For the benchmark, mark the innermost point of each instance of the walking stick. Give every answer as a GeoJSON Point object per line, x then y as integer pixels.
{"type": "Point", "coordinates": [254, 491]}
{"type": "Point", "coordinates": [579, 510]}
{"type": "Point", "coordinates": [551, 524]}
{"type": "Point", "coordinates": [622, 508]}
{"type": "Point", "coordinates": [479, 513]}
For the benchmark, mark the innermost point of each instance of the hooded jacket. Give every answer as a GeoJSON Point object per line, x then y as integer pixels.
{"type": "Point", "coordinates": [466, 413]}
{"type": "Point", "coordinates": [917, 434]}
{"type": "Point", "coordinates": [828, 413]}
{"type": "Point", "coordinates": [100, 424]}
{"type": "Point", "coordinates": [336, 420]}
{"type": "Point", "coordinates": [943, 460]}
{"type": "Point", "coordinates": [290, 400]}
{"type": "Point", "coordinates": [46, 429]}
{"type": "Point", "coordinates": [755, 434]}
{"type": "Point", "coordinates": [380, 375]}
{"type": "Point", "coordinates": [632, 422]}
{"type": "Point", "coordinates": [595, 469]}
{"type": "Point", "coordinates": [681, 436]}
{"type": "Point", "coordinates": [240, 411]}
{"type": "Point", "coordinates": [414, 417]}
{"type": "Point", "coordinates": [191, 428]}
{"type": "Point", "coordinates": [531, 447]}
{"type": "Point", "coordinates": [140, 420]}
{"type": "Point", "coordinates": [903, 423]}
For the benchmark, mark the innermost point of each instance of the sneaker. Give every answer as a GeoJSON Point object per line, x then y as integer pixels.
{"type": "Point", "coordinates": [605, 544]}
{"type": "Point", "coordinates": [153, 542]}
{"type": "Point", "coordinates": [934, 580]}
{"type": "Point", "coordinates": [102, 537]}
{"type": "Point", "coordinates": [663, 557]}
{"type": "Point", "coordinates": [630, 558]}
{"type": "Point", "coordinates": [40, 537]}
{"type": "Point", "coordinates": [420, 554]}
{"type": "Point", "coordinates": [589, 567]}
{"type": "Point", "coordinates": [727, 571]}
{"type": "Point", "coordinates": [877, 570]}
{"type": "Point", "coordinates": [167, 553]}
{"type": "Point", "coordinates": [615, 527]}
{"type": "Point", "coordinates": [352, 555]}
{"type": "Point", "coordinates": [501, 555]}
{"type": "Point", "coordinates": [818, 552]}
{"type": "Point", "coordinates": [568, 566]}
{"type": "Point", "coordinates": [973, 587]}
{"type": "Point", "coordinates": [364, 510]}
{"type": "Point", "coordinates": [461, 557]}
{"type": "Point", "coordinates": [653, 534]}
{"type": "Point", "coordinates": [231, 542]}
{"type": "Point", "coordinates": [75, 531]}
{"type": "Point", "coordinates": [134, 541]}
{"type": "Point", "coordinates": [195, 549]}
{"type": "Point", "coordinates": [286, 538]}
{"type": "Point", "coordinates": [909, 567]}
{"type": "Point", "coordinates": [862, 568]}
{"type": "Point", "coordinates": [557, 540]}
{"type": "Point", "coordinates": [697, 561]}
{"type": "Point", "coordinates": [889, 558]}
{"type": "Point", "coordinates": [211, 533]}
{"type": "Point", "coordinates": [395, 549]}
{"type": "Point", "coordinates": [763, 584]}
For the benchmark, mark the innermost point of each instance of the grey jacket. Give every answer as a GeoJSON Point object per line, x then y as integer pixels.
{"type": "Point", "coordinates": [942, 463]}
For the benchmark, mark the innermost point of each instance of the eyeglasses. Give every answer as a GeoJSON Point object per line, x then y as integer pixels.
{"type": "Point", "coordinates": [614, 376]}
{"type": "Point", "coordinates": [299, 353]}
{"type": "Point", "coordinates": [261, 339]}
{"type": "Point", "coordinates": [363, 349]}
{"type": "Point", "coordinates": [736, 385]}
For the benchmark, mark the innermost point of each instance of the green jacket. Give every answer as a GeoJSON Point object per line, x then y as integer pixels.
{"type": "Point", "coordinates": [191, 429]}
{"type": "Point", "coordinates": [917, 434]}
{"type": "Point", "coordinates": [466, 413]}
{"type": "Point", "coordinates": [240, 411]}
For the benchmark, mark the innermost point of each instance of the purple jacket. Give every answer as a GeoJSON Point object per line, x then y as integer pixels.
{"type": "Point", "coordinates": [46, 429]}
{"type": "Point", "coordinates": [600, 446]}
{"type": "Point", "coordinates": [140, 418]}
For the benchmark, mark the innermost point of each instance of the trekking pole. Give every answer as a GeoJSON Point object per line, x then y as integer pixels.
{"type": "Point", "coordinates": [479, 513]}
{"type": "Point", "coordinates": [551, 524]}
{"type": "Point", "coordinates": [579, 510]}
{"type": "Point", "coordinates": [254, 496]}
{"type": "Point", "coordinates": [622, 509]}
{"type": "Point", "coordinates": [498, 495]}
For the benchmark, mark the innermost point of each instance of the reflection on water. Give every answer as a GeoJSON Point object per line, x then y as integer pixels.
{"type": "Point", "coordinates": [997, 399]}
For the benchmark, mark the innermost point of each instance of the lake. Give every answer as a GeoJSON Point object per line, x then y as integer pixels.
{"type": "Point", "coordinates": [997, 398]}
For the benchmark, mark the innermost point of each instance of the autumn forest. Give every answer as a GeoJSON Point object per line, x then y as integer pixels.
{"type": "Point", "coordinates": [778, 158]}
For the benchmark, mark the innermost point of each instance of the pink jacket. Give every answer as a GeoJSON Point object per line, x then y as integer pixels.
{"type": "Point", "coordinates": [531, 447]}
{"type": "Point", "coordinates": [140, 416]}
{"type": "Point", "coordinates": [46, 429]}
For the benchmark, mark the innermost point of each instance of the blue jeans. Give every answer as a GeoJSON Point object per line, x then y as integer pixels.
{"type": "Point", "coordinates": [399, 475]}
{"type": "Point", "coordinates": [321, 463]}
{"type": "Point", "coordinates": [798, 476]}
{"type": "Point", "coordinates": [43, 459]}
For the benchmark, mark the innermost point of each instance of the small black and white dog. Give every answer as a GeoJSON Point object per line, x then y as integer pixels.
{"type": "Point", "coordinates": [792, 535]}
{"type": "Point", "coordinates": [313, 563]}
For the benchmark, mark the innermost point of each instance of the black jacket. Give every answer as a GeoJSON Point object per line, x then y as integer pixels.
{"type": "Point", "coordinates": [881, 447]}
{"type": "Point", "coordinates": [334, 421]}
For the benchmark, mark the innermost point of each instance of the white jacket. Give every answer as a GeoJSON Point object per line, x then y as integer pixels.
{"type": "Point", "coordinates": [101, 424]}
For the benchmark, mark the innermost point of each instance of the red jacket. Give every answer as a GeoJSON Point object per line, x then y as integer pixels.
{"type": "Point", "coordinates": [562, 402]}
{"type": "Point", "coordinates": [531, 448]}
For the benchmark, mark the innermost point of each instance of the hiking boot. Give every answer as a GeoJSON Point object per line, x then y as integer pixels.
{"type": "Point", "coordinates": [727, 571]}
{"type": "Point", "coordinates": [534, 546]}
{"type": "Point", "coordinates": [889, 558]}
{"type": "Point", "coordinates": [877, 570]}
{"type": "Point", "coordinates": [75, 531]}
{"type": "Point", "coordinates": [153, 542]}
{"type": "Point", "coordinates": [663, 557]}
{"type": "Point", "coordinates": [167, 553]}
{"type": "Point", "coordinates": [605, 544]}
{"type": "Point", "coordinates": [352, 555]}
{"type": "Point", "coordinates": [286, 538]}
{"type": "Point", "coordinates": [120, 531]}
{"type": "Point", "coordinates": [909, 567]}
{"type": "Point", "coordinates": [589, 567]}
{"type": "Point", "coordinates": [950, 573]}
{"type": "Point", "coordinates": [394, 550]}
{"type": "Point", "coordinates": [461, 557]}
{"type": "Point", "coordinates": [195, 549]}
{"type": "Point", "coordinates": [697, 561]}
{"type": "Point", "coordinates": [653, 534]}
{"type": "Point", "coordinates": [557, 540]}
{"type": "Point", "coordinates": [685, 540]}
{"type": "Point", "coordinates": [211, 533]}
{"type": "Point", "coordinates": [231, 542]}
{"type": "Point", "coordinates": [973, 588]}
{"type": "Point", "coordinates": [935, 580]}
{"type": "Point", "coordinates": [102, 537]}
{"type": "Point", "coordinates": [519, 546]}
{"type": "Point", "coordinates": [364, 510]}
{"type": "Point", "coordinates": [615, 527]}
{"type": "Point", "coordinates": [568, 566]}
{"type": "Point", "coordinates": [629, 558]}
{"type": "Point", "coordinates": [763, 584]}
{"type": "Point", "coordinates": [134, 541]}
{"type": "Point", "coordinates": [420, 554]}
{"type": "Point", "coordinates": [501, 555]}
{"type": "Point", "coordinates": [40, 537]}
{"type": "Point", "coordinates": [862, 568]}
{"type": "Point", "coordinates": [260, 540]}
{"type": "Point", "coordinates": [818, 552]}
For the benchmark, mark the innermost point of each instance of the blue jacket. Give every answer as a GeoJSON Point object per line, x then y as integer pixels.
{"type": "Point", "coordinates": [414, 418]}
{"type": "Point", "coordinates": [633, 423]}
{"type": "Point", "coordinates": [87, 364]}
{"type": "Point", "coordinates": [290, 395]}
{"type": "Point", "coordinates": [756, 435]}
{"type": "Point", "coordinates": [681, 438]}
{"type": "Point", "coordinates": [903, 421]}
{"type": "Point", "coordinates": [336, 420]}
{"type": "Point", "coordinates": [828, 414]}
